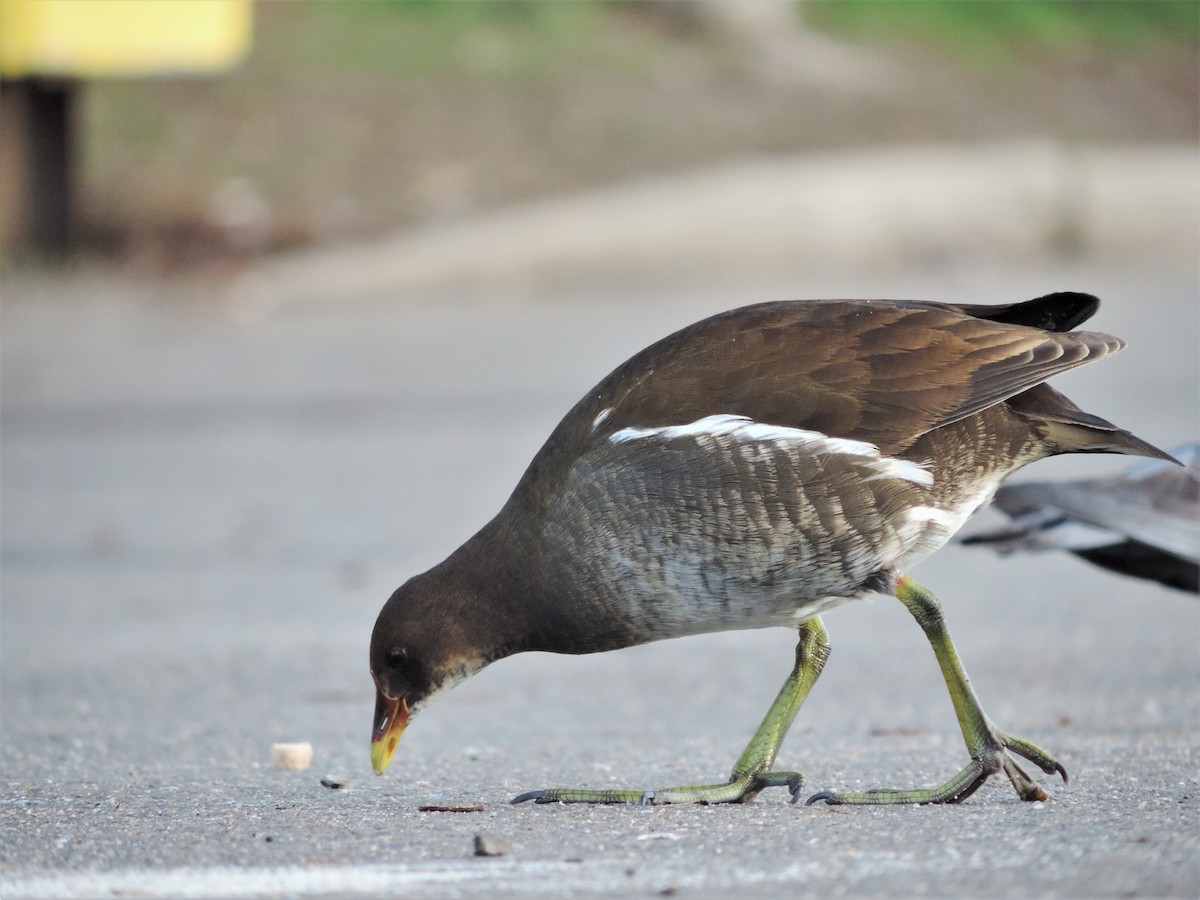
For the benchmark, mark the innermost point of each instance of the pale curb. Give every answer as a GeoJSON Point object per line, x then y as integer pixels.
{"type": "Point", "coordinates": [875, 208]}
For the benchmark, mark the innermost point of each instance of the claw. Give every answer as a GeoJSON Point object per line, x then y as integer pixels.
{"type": "Point", "coordinates": [528, 795]}
{"type": "Point", "coordinates": [828, 796]}
{"type": "Point", "coordinates": [1034, 754]}
{"type": "Point", "coordinates": [966, 791]}
{"type": "Point", "coordinates": [794, 786]}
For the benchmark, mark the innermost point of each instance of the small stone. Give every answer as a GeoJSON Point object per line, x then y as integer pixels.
{"type": "Point", "coordinates": [491, 845]}
{"type": "Point", "coordinates": [296, 756]}
{"type": "Point", "coordinates": [333, 782]}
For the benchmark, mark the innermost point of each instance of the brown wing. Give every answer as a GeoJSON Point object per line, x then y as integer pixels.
{"type": "Point", "coordinates": [879, 371]}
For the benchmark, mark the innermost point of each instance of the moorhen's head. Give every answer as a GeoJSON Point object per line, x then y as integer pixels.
{"type": "Point", "coordinates": [418, 648]}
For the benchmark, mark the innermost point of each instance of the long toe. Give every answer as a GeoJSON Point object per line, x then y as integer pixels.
{"type": "Point", "coordinates": [737, 790]}
{"type": "Point", "coordinates": [958, 788]}
{"type": "Point", "coordinates": [966, 782]}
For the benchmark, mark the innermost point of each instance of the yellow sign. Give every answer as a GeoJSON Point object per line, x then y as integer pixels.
{"type": "Point", "coordinates": [121, 37]}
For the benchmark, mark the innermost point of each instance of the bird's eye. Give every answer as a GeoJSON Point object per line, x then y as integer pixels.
{"type": "Point", "coordinates": [397, 656]}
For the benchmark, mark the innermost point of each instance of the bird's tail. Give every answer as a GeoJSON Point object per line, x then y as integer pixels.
{"type": "Point", "coordinates": [1068, 429]}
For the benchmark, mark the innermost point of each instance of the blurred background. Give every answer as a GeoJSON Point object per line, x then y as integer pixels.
{"type": "Point", "coordinates": [211, 132]}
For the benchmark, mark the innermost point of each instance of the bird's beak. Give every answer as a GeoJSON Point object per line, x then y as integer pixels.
{"type": "Point", "coordinates": [390, 718]}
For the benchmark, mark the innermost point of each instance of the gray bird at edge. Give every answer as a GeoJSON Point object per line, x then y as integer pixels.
{"type": "Point", "coordinates": [1144, 523]}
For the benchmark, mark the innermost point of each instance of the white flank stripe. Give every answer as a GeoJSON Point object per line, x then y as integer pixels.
{"type": "Point", "coordinates": [947, 520]}
{"type": "Point", "coordinates": [904, 469]}
{"type": "Point", "coordinates": [741, 428]}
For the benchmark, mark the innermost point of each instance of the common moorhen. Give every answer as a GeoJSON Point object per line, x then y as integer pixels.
{"type": "Point", "coordinates": [756, 469]}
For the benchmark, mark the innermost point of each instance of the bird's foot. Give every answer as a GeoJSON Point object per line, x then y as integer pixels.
{"type": "Point", "coordinates": [752, 771]}
{"type": "Point", "coordinates": [996, 757]}
{"type": "Point", "coordinates": [737, 790]}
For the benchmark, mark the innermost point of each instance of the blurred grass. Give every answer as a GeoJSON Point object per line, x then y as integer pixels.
{"type": "Point", "coordinates": [425, 39]}
{"type": "Point", "coordinates": [430, 38]}
{"type": "Point", "coordinates": [996, 32]}
{"type": "Point", "coordinates": [530, 40]}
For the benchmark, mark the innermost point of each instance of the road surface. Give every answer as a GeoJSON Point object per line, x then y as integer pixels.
{"type": "Point", "coordinates": [205, 505]}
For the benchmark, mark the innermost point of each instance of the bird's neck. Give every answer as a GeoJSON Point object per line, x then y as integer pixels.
{"type": "Point", "coordinates": [486, 588]}
{"type": "Point", "coordinates": [499, 589]}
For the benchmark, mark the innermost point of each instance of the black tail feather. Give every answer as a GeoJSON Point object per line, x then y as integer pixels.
{"type": "Point", "coordinates": [1060, 311]}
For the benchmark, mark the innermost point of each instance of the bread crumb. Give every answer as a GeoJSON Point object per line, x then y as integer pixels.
{"type": "Point", "coordinates": [291, 756]}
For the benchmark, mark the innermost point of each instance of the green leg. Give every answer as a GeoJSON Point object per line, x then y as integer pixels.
{"type": "Point", "coordinates": [989, 747]}
{"type": "Point", "coordinates": [752, 772]}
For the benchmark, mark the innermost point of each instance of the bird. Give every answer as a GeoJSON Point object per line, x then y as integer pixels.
{"type": "Point", "coordinates": [757, 469]}
{"type": "Point", "coordinates": [1145, 522]}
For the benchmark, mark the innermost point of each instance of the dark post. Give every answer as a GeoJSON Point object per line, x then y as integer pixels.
{"type": "Point", "coordinates": [36, 188]}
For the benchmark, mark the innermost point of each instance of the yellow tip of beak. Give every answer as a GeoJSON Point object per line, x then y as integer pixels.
{"type": "Point", "coordinates": [390, 718]}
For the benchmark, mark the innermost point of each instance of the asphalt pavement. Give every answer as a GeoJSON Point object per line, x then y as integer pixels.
{"type": "Point", "coordinates": [205, 504]}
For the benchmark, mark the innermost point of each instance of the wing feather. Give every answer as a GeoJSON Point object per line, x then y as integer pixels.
{"type": "Point", "coordinates": [883, 372]}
